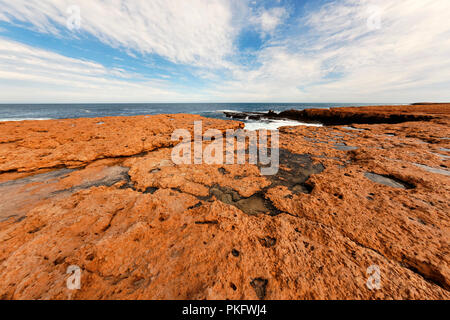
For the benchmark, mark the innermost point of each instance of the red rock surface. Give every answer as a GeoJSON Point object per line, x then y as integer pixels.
{"type": "Point", "coordinates": [103, 194]}
{"type": "Point", "coordinates": [371, 114]}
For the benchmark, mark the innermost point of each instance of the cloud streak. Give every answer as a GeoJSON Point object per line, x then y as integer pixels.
{"type": "Point", "coordinates": [36, 75]}
{"type": "Point", "coordinates": [193, 32]}
{"type": "Point", "coordinates": [342, 51]}
{"type": "Point", "coordinates": [340, 58]}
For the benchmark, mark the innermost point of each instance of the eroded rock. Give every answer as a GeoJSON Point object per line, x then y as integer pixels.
{"type": "Point", "coordinates": [108, 198]}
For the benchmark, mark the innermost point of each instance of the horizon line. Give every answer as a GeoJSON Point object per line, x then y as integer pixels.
{"type": "Point", "coordinates": [252, 102]}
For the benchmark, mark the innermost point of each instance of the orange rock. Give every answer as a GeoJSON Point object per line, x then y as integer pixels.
{"type": "Point", "coordinates": [140, 227]}
{"type": "Point", "coordinates": [371, 114]}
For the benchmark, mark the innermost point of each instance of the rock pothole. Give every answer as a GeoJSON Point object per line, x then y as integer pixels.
{"type": "Point", "coordinates": [388, 181]}
{"type": "Point", "coordinates": [259, 285]}
{"type": "Point", "coordinates": [294, 172]}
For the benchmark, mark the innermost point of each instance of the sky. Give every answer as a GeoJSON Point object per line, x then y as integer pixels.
{"type": "Point", "coordinates": [91, 51]}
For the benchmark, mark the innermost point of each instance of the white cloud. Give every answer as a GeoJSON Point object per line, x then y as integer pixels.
{"type": "Point", "coordinates": [268, 20]}
{"type": "Point", "coordinates": [337, 57]}
{"type": "Point", "coordinates": [341, 59]}
{"type": "Point", "coordinates": [197, 32]}
{"type": "Point", "coordinates": [35, 75]}
{"type": "Point", "coordinates": [407, 58]}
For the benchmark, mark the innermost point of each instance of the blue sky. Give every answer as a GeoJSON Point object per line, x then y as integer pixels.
{"type": "Point", "coordinates": [224, 51]}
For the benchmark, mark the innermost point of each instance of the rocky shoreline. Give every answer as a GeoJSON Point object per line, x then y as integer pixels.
{"type": "Point", "coordinates": [350, 115]}
{"type": "Point", "coordinates": [370, 188]}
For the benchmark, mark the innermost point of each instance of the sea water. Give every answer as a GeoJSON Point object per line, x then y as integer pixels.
{"type": "Point", "coordinates": [19, 112]}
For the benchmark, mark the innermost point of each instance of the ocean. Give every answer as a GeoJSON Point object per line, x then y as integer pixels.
{"type": "Point", "coordinates": [19, 112]}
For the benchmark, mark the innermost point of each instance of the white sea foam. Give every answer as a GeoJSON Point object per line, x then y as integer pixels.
{"type": "Point", "coordinates": [275, 124]}
{"type": "Point", "coordinates": [225, 110]}
{"type": "Point", "coordinates": [22, 119]}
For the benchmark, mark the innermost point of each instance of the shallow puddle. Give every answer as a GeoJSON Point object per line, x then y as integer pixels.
{"type": "Point", "coordinates": [352, 129]}
{"type": "Point", "coordinates": [19, 196]}
{"type": "Point", "coordinates": [300, 167]}
{"type": "Point", "coordinates": [313, 140]}
{"type": "Point", "coordinates": [41, 177]}
{"type": "Point", "coordinates": [344, 147]}
{"type": "Point", "coordinates": [253, 205]}
{"type": "Point", "coordinates": [387, 181]}
{"type": "Point", "coordinates": [443, 156]}
{"type": "Point", "coordinates": [107, 177]}
{"type": "Point", "coordinates": [433, 170]}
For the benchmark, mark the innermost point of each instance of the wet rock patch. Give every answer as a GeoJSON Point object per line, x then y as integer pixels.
{"type": "Point", "coordinates": [254, 205]}
{"type": "Point", "coordinates": [112, 175]}
{"type": "Point", "coordinates": [433, 170]}
{"type": "Point", "coordinates": [259, 285]}
{"type": "Point", "coordinates": [388, 181]}
{"type": "Point", "coordinates": [268, 242]}
{"type": "Point", "coordinates": [299, 168]}
{"type": "Point", "coordinates": [344, 147]}
{"type": "Point", "coordinates": [295, 170]}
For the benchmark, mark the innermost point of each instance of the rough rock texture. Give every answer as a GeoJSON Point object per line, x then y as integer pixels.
{"type": "Point", "coordinates": [379, 114]}
{"type": "Point", "coordinates": [33, 145]}
{"type": "Point", "coordinates": [104, 194]}
{"type": "Point", "coordinates": [366, 115]}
